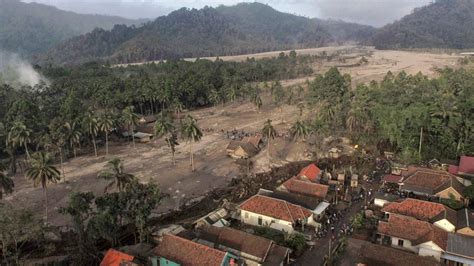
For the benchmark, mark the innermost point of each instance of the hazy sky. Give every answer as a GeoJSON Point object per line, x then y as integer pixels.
{"type": "Point", "coordinates": [373, 12]}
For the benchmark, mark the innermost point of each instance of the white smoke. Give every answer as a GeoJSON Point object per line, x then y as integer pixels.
{"type": "Point", "coordinates": [17, 72]}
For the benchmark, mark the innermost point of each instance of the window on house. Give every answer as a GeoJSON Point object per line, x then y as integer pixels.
{"type": "Point", "coordinates": [246, 215]}
{"type": "Point", "coordinates": [400, 243]}
{"type": "Point", "coordinates": [260, 221]}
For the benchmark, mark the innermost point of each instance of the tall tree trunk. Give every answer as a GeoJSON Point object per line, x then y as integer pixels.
{"type": "Point", "coordinates": [46, 202]}
{"type": "Point", "coordinates": [62, 162]}
{"type": "Point", "coordinates": [95, 146]}
{"type": "Point", "coordinates": [268, 148]}
{"type": "Point", "coordinates": [74, 151]}
{"type": "Point", "coordinates": [106, 143]}
{"type": "Point", "coordinates": [27, 152]}
{"type": "Point", "coordinates": [192, 156]}
{"type": "Point", "coordinates": [133, 136]}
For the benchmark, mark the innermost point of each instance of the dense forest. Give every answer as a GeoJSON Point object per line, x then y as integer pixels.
{"type": "Point", "coordinates": [225, 30]}
{"type": "Point", "coordinates": [390, 113]}
{"type": "Point", "coordinates": [443, 24]}
{"type": "Point", "coordinates": [31, 28]}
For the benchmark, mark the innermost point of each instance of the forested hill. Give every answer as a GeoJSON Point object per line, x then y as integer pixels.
{"type": "Point", "coordinates": [443, 24]}
{"type": "Point", "coordinates": [30, 28]}
{"type": "Point", "coordinates": [225, 30]}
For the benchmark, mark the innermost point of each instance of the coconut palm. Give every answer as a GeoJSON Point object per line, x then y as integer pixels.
{"type": "Point", "coordinates": [72, 135]}
{"type": "Point", "coordinates": [116, 174]}
{"type": "Point", "coordinates": [131, 118]}
{"type": "Point", "coordinates": [19, 135]}
{"type": "Point", "coordinates": [6, 183]}
{"type": "Point", "coordinates": [163, 126]}
{"type": "Point", "coordinates": [214, 97]}
{"type": "Point", "coordinates": [269, 131]}
{"type": "Point", "coordinates": [178, 108]}
{"type": "Point", "coordinates": [105, 123]}
{"type": "Point", "coordinates": [299, 130]}
{"type": "Point", "coordinates": [172, 142]}
{"type": "Point", "coordinates": [42, 171]}
{"type": "Point", "coordinates": [91, 124]}
{"type": "Point", "coordinates": [192, 133]}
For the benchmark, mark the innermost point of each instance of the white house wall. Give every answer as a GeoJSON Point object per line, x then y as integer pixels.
{"type": "Point", "coordinates": [252, 219]}
{"type": "Point", "coordinates": [406, 244]}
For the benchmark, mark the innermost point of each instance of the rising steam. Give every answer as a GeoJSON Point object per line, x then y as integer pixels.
{"type": "Point", "coordinates": [17, 72]}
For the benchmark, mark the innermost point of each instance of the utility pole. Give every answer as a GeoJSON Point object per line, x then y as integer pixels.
{"type": "Point", "coordinates": [329, 255]}
{"type": "Point", "coordinates": [421, 139]}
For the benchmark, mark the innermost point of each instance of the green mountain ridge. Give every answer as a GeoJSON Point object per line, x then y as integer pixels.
{"type": "Point", "coordinates": [32, 28]}
{"type": "Point", "coordinates": [443, 24]}
{"type": "Point", "coordinates": [225, 30]}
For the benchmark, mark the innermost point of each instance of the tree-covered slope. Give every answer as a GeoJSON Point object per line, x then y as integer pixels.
{"type": "Point", "coordinates": [30, 28]}
{"type": "Point", "coordinates": [443, 24]}
{"type": "Point", "coordinates": [225, 30]}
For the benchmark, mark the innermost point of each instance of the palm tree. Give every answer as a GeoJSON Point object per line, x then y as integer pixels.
{"type": "Point", "coordinates": [90, 122]}
{"type": "Point", "coordinates": [172, 141]}
{"type": "Point", "coordinates": [19, 135]}
{"type": "Point", "coordinates": [6, 183]}
{"type": "Point", "coordinates": [72, 135]}
{"type": "Point", "coordinates": [269, 131]}
{"type": "Point", "coordinates": [42, 171]}
{"type": "Point", "coordinates": [131, 118]}
{"type": "Point", "coordinates": [163, 126]}
{"type": "Point", "coordinates": [115, 172]}
{"type": "Point", "coordinates": [178, 108]}
{"type": "Point", "coordinates": [105, 123]}
{"type": "Point", "coordinates": [214, 97]}
{"type": "Point", "coordinates": [192, 133]}
{"type": "Point", "coordinates": [299, 130]}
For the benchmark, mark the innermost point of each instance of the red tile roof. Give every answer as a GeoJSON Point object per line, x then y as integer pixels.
{"type": "Point", "coordinates": [297, 186]}
{"type": "Point", "coordinates": [254, 140]}
{"type": "Point", "coordinates": [275, 208]}
{"type": "Point", "coordinates": [453, 169]}
{"type": "Point", "coordinates": [311, 172]}
{"type": "Point", "coordinates": [115, 258]}
{"type": "Point", "coordinates": [419, 209]}
{"type": "Point", "coordinates": [466, 165]}
{"type": "Point", "coordinates": [188, 253]}
{"type": "Point", "coordinates": [392, 179]}
{"type": "Point", "coordinates": [431, 181]}
{"type": "Point", "coordinates": [416, 231]}
{"type": "Point", "coordinates": [241, 241]}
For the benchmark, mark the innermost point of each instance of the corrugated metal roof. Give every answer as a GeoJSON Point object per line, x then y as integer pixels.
{"type": "Point", "coordinates": [460, 245]}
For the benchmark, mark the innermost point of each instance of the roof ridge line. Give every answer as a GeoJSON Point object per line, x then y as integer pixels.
{"type": "Point", "coordinates": [288, 208]}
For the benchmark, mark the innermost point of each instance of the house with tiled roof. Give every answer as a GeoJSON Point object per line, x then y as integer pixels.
{"type": "Point", "coordinates": [433, 183]}
{"type": "Point", "coordinates": [116, 258]}
{"type": "Point", "coordinates": [298, 186]}
{"type": "Point", "coordinates": [465, 169]}
{"type": "Point", "coordinates": [414, 235]}
{"type": "Point", "coordinates": [251, 249]}
{"type": "Point", "coordinates": [311, 173]}
{"type": "Point", "coordinates": [465, 222]}
{"type": "Point", "coordinates": [427, 211]}
{"type": "Point", "coordinates": [433, 212]}
{"type": "Point", "coordinates": [177, 251]}
{"type": "Point", "coordinates": [245, 148]}
{"type": "Point", "coordinates": [278, 214]}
